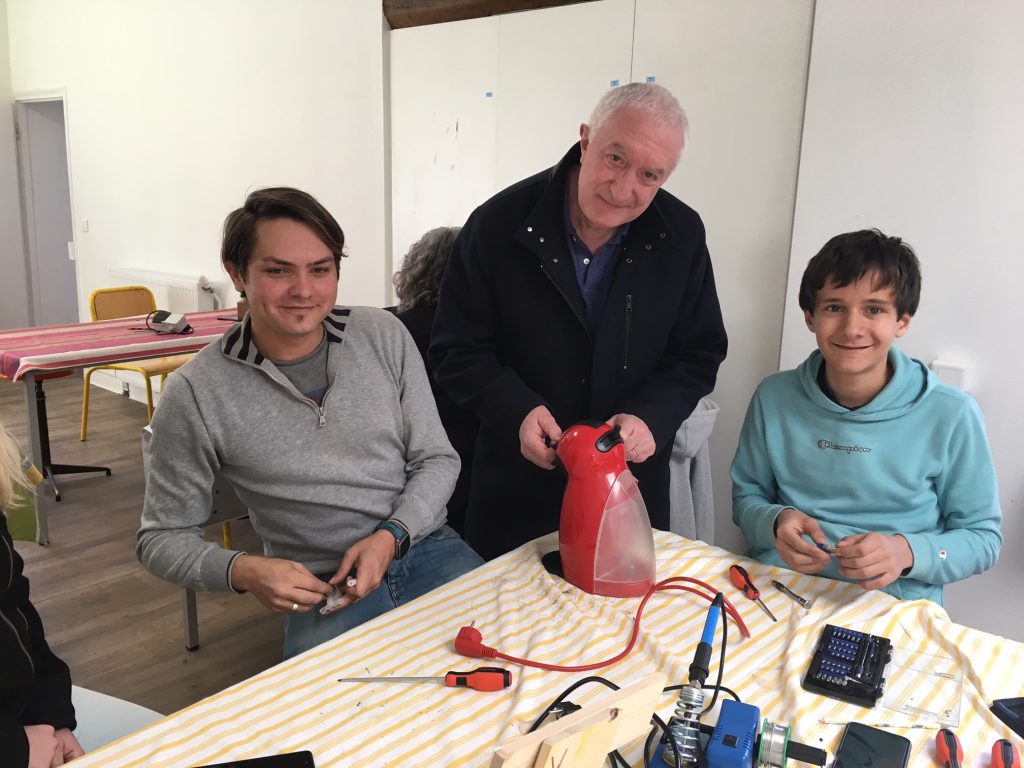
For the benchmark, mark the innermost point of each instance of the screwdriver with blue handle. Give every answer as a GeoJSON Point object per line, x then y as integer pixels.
{"type": "Point", "coordinates": [740, 578]}
{"type": "Point", "coordinates": [480, 679]}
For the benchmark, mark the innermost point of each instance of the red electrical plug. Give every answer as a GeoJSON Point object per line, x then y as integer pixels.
{"type": "Point", "coordinates": [469, 642]}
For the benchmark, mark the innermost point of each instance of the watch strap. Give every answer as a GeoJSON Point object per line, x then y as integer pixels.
{"type": "Point", "coordinates": [402, 538]}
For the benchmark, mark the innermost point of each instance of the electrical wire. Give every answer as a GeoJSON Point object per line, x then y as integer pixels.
{"type": "Point", "coordinates": [149, 326]}
{"type": "Point", "coordinates": [475, 647]}
{"type": "Point", "coordinates": [618, 761]}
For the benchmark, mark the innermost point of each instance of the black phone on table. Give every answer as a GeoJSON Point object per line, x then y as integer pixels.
{"type": "Point", "coordinates": [865, 747]}
{"type": "Point", "coordinates": [302, 759]}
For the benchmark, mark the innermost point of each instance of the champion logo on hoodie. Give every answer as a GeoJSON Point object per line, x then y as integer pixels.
{"type": "Point", "coordinates": [828, 445]}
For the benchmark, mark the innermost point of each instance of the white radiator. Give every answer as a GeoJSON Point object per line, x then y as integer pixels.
{"type": "Point", "coordinates": [175, 293]}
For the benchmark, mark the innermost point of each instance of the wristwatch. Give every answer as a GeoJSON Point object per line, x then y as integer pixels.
{"type": "Point", "coordinates": [401, 535]}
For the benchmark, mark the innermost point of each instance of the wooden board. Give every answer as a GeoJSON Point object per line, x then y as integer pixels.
{"type": "Point", "coordinates": [585, 738]}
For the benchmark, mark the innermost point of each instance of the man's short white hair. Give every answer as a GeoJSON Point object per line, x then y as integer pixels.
{"type": "Point", "coordinates": [649, 98]}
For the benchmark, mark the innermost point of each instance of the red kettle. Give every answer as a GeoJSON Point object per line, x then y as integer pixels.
{"type": "Point", "coordinates": [604, 536]}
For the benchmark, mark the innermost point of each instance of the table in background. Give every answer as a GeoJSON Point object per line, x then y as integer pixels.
{"type": "Point", "coordinates": [524, 611]}
{"type": "Point", "coordinates": [27, 353]}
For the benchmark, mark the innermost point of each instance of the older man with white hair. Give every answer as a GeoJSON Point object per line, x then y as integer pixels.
{"type": "Point", "coordinates": [583, 292]}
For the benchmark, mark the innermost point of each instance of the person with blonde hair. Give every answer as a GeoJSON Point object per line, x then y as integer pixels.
{"type": "Point", "coordinates": [36, 714]}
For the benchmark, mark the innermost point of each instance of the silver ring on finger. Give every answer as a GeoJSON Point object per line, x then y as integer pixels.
{"type": "Point", "coordinates": [295, 607]}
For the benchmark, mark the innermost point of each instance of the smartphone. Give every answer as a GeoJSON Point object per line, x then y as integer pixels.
{"type": "Point", "coordinates": [290, 760]}
{"type": "Point", "coordinates": [866, 747]}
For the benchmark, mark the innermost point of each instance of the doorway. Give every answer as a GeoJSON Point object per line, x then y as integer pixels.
{"type": "Point", "coordinates": [45, 185]}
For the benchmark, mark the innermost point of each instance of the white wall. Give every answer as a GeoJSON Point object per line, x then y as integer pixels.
{"type": "Point", "coordinates": [913, 126]}
{"type": "Point", "coordinates": [738, 68]}
{"type": "Point", "coordinates": [441, 102]}
{"type": "Point", "coordinates": [14, 305]}
{"type": "Point", "coordinates": [740, 71]}
{"type": "Point", "coordinates": [177, 108]}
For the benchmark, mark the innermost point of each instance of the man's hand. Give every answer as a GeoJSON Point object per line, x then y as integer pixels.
{"type": "Point", "coordinates": [538, 424]}
{"type": "Point", "coordinates": [42, 746]}
{"type": "Point", "coordinates": [793, 548]}
{"type": "Point", "coordinates": [278, 584]}
{"type": "Point", "coordinates": [67, 745]}
{"type": "Point", "coordinates": [874, 560]}
{"type": "Point", "coordinates": [636, 437]}
{"type": "Point", "coordinates": [370, 557]}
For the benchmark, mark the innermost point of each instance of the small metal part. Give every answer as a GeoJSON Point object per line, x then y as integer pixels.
{"type": "Point", "coordinates": [802, 601]}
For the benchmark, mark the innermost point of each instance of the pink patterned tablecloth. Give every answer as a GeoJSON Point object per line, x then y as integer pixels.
{"type": "Point", "coordinates": [63, 347]}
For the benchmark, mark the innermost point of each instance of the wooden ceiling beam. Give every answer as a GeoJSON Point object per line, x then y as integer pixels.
{"type": "Point", "coordinates": [415, 13]}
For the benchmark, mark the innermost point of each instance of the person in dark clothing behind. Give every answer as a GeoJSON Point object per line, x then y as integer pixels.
{"type": "Point", "coordinates": [583, 292]}
{"type": "Point", "coordinates": [36, 715]}
{"type": "Point", "coordinates": [417, 285]}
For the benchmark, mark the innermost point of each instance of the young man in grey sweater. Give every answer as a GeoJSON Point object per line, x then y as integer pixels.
{"type": "Point", "coordinates": [322, 419]}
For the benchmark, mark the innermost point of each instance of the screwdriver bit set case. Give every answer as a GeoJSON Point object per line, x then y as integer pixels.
{"type": "Point", "coordinates": [849, 665]}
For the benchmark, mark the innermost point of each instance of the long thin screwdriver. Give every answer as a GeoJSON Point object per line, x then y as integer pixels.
{"type": "Point", "coordinates": [740, 578]}
{"type": "Point", "coordinates": [480, 679]}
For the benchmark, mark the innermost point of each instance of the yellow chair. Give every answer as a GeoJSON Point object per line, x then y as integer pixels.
{"type": "Point", "coordinates": [127, 301]}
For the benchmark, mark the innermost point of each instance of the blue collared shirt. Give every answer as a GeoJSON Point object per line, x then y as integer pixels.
{"type": "Point", "coordinates": [593, 270]}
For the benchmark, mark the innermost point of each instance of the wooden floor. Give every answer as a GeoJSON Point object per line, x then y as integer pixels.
{"type": "Point", "coordinates": [118, 627]}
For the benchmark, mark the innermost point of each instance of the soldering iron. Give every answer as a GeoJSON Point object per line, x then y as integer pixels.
{"type": "Point", "coordinates": [734, 740]}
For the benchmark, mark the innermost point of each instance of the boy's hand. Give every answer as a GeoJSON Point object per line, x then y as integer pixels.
{"type": "Point", "coordinates": [793, 548]}
{"type": "Point", "coordinates": [874, 560]}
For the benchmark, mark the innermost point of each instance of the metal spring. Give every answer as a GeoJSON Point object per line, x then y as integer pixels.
{"type": "Point", "coordinates": [685, 727]}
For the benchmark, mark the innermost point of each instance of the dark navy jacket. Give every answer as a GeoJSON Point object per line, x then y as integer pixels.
{"type": "Point", "coordinates": [511, 333]}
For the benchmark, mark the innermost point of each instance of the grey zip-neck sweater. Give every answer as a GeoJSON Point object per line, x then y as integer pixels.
{"type": "Point", "coordinates": [315, 479]}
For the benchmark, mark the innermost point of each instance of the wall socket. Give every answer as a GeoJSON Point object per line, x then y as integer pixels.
{"type": "Point", "coordinates": [952, 373]}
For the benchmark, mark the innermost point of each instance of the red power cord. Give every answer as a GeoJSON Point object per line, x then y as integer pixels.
{"type": "Point", "coordinates": [469, 641]}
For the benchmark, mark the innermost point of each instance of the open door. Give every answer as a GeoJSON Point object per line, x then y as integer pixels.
{"type": "Point", "coordinates": [45, 187]}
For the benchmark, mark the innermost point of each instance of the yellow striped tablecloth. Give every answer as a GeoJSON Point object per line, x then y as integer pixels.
{"type": "Point", "coordinates": [523, 611]}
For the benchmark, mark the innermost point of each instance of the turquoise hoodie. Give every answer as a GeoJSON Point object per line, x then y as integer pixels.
{"type": "Point", "coordinates": [913, 461]}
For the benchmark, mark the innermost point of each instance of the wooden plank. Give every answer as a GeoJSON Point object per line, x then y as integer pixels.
{"type": "Point", "coordinates": [416, 13]}
{"type": "Point", "coordinates": [584, 738]}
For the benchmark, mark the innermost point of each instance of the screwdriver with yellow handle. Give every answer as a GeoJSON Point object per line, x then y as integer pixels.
{"type": "Point", "coordinates": [739, 577]}
{"type": "Point", "coordinates": [480, 679]}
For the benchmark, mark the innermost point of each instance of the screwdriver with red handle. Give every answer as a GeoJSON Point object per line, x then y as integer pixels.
{"type": "Point", "coordinates": [740, 578]}
{"type": "Point", "coordinates": [1004, 755]}
{"type": "Point", "coordinates": [480, 679]}
{"type": "Point", "coordinates": [948, 750]}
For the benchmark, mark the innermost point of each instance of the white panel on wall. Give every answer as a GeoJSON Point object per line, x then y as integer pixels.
{"type": "Point", "coordinates": [554, 66]}
{"type": "Point", "coordinates": [444, 125]}
{"type": "Point", "coordinates": [177, 109]}
{"type": "Point", "coordinates": [913, 126]}
{"type": "Point", "coordinates": [739, 70]}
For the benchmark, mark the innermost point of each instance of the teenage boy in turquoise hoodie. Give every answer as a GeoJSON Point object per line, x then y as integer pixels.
{"type": "Point", "coordinates": [862, 448]}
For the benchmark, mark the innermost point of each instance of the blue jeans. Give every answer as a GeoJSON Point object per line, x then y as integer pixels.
{"type": "Point", "coordinates": [433, 561]}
